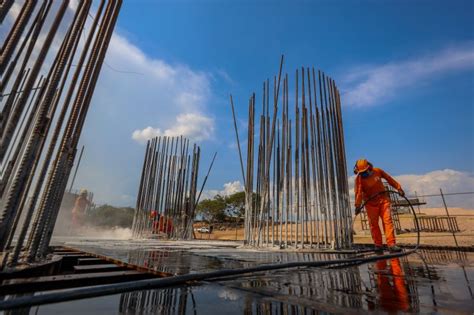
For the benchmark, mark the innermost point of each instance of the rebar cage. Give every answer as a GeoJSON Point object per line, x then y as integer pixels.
{"type": "Point", "coordinates": [297, 194]}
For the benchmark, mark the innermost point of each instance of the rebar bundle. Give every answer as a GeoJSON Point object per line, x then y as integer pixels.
{"type": "Point", "coordinates": [44, 111]}
{"type": "Point", "coordinates": [167, 195]}
{"type": "Point", "coordinates": [296, 186]}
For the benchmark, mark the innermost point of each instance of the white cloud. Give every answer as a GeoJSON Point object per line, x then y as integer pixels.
{"type": "Point", "coordinates": [195, 127]}
{"type": "Point", "coordinates": [154, 82]}
{"type": "Point", "coordinates": [372, 85]}
{"type": "Point", "coordinates": [136, 90]}
{"type": "Point", "coordinates": [450, 181]}
{"type": "Point", "coordinates": [232, 188]}
{"type": "Point", "coordinates": [228, 189]}
{"type": "Point", "coordinates": [225, 76]}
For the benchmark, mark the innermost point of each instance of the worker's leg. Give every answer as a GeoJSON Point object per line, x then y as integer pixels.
{"type": "Point", "coordinates": [384, 286]}
{"type": "Point", "coordinates": [373, 213]}
{"type": "Point", "coordinates": [401, 290]}
{"type": "Point", "coordinates": [386, 214]}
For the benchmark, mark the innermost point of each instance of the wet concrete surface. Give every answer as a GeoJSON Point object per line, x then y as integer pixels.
{"type": "Point", "coordinates": [429, 282]}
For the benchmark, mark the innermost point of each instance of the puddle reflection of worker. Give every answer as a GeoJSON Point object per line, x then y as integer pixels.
{"type": "Point", "coordinates": [393, 291]}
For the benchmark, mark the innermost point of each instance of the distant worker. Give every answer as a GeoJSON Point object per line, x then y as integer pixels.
{"type": "Point", "coordinates": [79, 210]}
{"type": "Point", "coordinates": [165, 225]}
{"type": "Point", "coordinates": [154, 217]}
{"type": "Point", "coordinates": [368, 186]}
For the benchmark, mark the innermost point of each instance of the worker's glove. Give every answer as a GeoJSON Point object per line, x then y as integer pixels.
{"type": "Point", "coordinates": [401, 192]}
{"type": "Point", "coordinates": [358, 210]}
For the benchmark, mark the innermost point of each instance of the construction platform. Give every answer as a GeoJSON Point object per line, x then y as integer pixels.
{"type": "Point", "coordinates": [432, 281]}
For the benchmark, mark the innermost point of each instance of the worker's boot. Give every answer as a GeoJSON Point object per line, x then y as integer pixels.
{"type": "Point", "coordinates": [378, 250]}
{"type": "Point", "coordinates": [394, 249]}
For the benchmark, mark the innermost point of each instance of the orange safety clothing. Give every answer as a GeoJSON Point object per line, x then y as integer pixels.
{"type": "Point", "coordinates": [367, 187]}
{"type": "Point", "coordinates": [394, 294]}
{"type": "Point", "coordinates": [79, 210]}
{"type": "Point", "coordinates": [374, 212]}
{"type": "Point", "coordinates": [165, 225]}
{"type": "Point", "coordinates": [378, 206]}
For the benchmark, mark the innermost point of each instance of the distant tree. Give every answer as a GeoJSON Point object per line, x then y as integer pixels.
{"type": "Point", "coordinates": [235, 204]}
{"type": "Point", "coordinates": [220, 208]}
{"type": "Point", "coordinates": [212, 210]}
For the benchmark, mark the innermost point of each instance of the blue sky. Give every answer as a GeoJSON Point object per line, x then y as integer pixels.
{"type": "Point", "coordinates": [405, 70]}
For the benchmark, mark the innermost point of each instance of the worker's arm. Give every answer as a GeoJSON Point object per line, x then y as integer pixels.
{"type": "Point", "coordinates": [357, 192]}
{"type": "Point", "coordinates": [392, 182]}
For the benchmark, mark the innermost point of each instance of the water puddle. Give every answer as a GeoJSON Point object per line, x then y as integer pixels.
{"type": "Point", "coordinates": [434, 282]}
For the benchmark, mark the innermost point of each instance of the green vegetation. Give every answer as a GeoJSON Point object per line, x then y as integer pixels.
{"type": "Point", "coordinates": [218, 210]}
{"type": "Point", "coordinates": [110, 216]}
{"type": "Point", "coordinates": [223, 208]}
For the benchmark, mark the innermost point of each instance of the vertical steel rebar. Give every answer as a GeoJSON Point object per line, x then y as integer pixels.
{"type": "Point", "coordinates": [310, 208]}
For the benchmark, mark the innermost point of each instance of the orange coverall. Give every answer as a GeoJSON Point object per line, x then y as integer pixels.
{"type": "Point", "coordinates": [79, 210]}
{"type": "Point", "coordinates": [394, 294]}
{"type": "Point", "coordinates": [377, 207]}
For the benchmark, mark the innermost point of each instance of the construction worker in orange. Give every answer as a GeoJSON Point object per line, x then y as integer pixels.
{"type": "Point", "coordinates": [369, 187]}
{"type": "Point", "coordinates": [165, 225]}
{"type": "Point", "coordinates": [393, 294]}
{"type": "Point", "coordinates": [154, 217]}
{"type": "Point", "coordinates": [79, 210]}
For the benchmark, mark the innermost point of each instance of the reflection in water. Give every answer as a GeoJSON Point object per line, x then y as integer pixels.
{"type": "Point", "coordinates": [429, 282]}
{"type": "Point", "coordinates": [432, 282]}
{"type": "Point", "coordinates": [179, 262]}
{"type": "Point", "coordinates": [183, 301]}
{"type": "Point", "coordinates": [298, 289]}
{"type": "Point", "coordinates": [392, 288]}
{"type": "Point", "coordinates": [278, 308]}
{"type": "Point", "coordinates": [443, 257]}
{"type": "Point", "coordinates": [21, 311]}
{"type": "Point", "coordinates": [335, 286]}
{"type": "Point", "coordinates": [166, 301]}
{"type": "Point", "coordinates": [387, 285]}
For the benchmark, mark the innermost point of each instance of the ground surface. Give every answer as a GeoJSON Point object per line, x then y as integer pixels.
{"type": "Point", "coordinates": [464, 217]}
{"type": "Point", "coordinates": [432, 282]}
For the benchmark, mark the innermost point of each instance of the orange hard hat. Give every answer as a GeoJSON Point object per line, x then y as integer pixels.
{"type": "Point", "coordinates": [361, 165]}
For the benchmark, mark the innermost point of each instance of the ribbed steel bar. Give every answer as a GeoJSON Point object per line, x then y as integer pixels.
{"type": "Point", "coordinates": [14, 90]}
{"type": "Point", "coordinates": [4, 8]}
{"type": "Point", "coordinates": [15, 33]}
{"type": "Point", "coordinates": [60, 120]}
{"type": "Point", "coordinates": [104, 40]}
{"type": "Point", "coordinates": [10, 125]}
{"type": "Point", "coordinates": [167, 194]}
{"type": "Point", "coordinates": [62, 165]}
{"type": "Point", "coordinates": [34, 147]}
{"type": "Point", "coordinates": [13, 63]}
{"type": "Point", "coordinates": [12, 165]}
{"type": "Point", "coordinates": [300, 173]}
{"type": "Point", "coordinates": [30, 120]}
{"type": "Point", "coordinates": [23, 177]}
